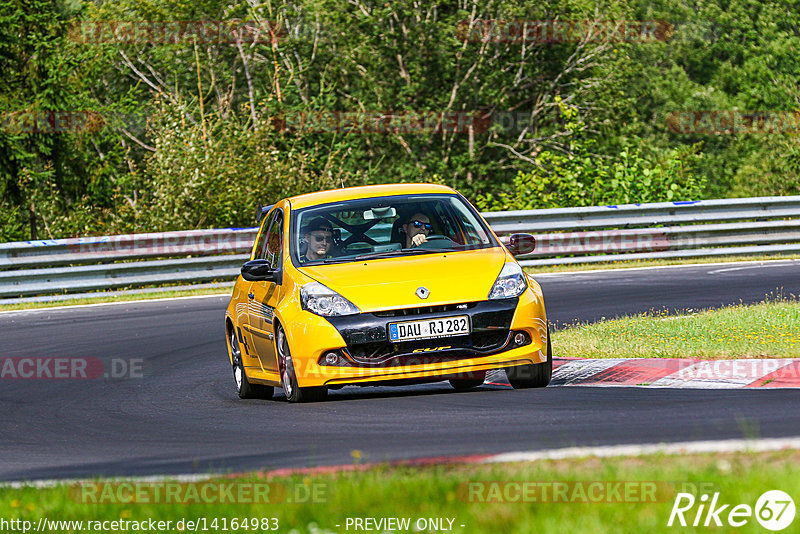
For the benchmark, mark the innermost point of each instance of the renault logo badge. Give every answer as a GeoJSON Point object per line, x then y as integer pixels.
{"type": "Point", "coordinates": [422, 292]}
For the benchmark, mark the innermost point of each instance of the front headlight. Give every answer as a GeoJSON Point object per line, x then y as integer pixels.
{"type": "Point", "coordinates": [324, 301]}
{"type": "Point", "coordinates": [511, 282]}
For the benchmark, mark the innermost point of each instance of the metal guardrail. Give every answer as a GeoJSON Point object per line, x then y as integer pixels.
{"type": "Point", "coordinates": [126, 247]}
{"type": "Point", "coordinates": [768, 225]}
{"type": "Point", "coordinates": [664, 230]}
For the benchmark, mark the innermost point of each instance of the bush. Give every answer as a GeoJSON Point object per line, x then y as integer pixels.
{"type": "Point", "coordinates": [214, 172]}
{"type": "Point", "coordinates": [577, 177]}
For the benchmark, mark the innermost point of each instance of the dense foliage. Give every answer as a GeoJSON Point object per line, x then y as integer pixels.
{"type": "Point", "coordinates": [173, 129]}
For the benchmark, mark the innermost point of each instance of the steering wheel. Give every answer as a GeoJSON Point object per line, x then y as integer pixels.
{"type": "Point", "coordinates": [436, 237]}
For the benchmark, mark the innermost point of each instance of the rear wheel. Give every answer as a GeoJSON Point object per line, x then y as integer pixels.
{"type": "Point", "coordinates": [532, 376]}
{"type": "Point", "coordinates": [245, 389]}
{"type": "Point", "coordinates": [294, 393]}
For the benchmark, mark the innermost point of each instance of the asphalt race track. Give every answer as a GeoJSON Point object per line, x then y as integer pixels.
{"type": "Point", "coordinates": [183, 415]}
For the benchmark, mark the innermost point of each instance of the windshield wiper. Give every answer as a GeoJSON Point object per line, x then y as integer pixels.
{"type": "Point", "coordinates": [449, 249]}
{"type": "Point", "coordinates": [384, 254]}
{"type": "Point", "coordinates": [402, 251]}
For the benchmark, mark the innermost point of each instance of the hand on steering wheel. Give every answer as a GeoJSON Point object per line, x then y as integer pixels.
{"type": "Point", "coordinates": [419, 239]}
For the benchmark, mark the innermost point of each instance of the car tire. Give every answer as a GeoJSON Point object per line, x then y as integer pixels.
{"type": "Point", "coordinates": [293, 392]}
{"type": "Point", "coordinates": [537, 375]}
{"type": "Point", "coordinates": [244, 388]}
{"type": "Point", "coordinates": [463, 384]}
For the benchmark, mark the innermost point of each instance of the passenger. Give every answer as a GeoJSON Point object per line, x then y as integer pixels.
{"type": "Point", "coordinates": [416, 230]}
{"type": "Point", "coordinates": [319, 238]}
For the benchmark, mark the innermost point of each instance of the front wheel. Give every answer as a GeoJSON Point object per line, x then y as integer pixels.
{"type": "Point", "coordinates": [532, 376]}
{"type": "Point", "coordinates": [472, 380]}
{"type": "Point", "coordinates": [294, 393]}
{"type": "Point", "coordinates": [245, 389]}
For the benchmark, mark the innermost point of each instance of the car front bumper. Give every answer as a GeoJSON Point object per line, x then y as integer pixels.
{"type": "Point", "coordinates": [362, 342]}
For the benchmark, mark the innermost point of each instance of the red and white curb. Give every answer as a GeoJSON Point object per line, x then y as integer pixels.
{"type": "Point", "coordinates": [671, 373]}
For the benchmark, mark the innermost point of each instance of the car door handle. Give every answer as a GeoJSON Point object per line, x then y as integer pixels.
{"type": "Point", "coordinates": [251, 296]}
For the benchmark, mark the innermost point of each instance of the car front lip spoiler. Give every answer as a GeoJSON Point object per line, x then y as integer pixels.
{"type": "Point", "coordinates": [397, 373]}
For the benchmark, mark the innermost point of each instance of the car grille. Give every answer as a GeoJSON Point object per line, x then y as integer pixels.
{"type": "Point", "coordinates": [429, 350]}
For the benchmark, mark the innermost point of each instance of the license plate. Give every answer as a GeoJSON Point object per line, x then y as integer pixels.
{"type": "Point", "coordinates": [429, 328]}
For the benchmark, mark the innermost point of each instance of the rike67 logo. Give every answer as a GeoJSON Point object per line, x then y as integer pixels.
{"type": "Point", "coordinates": [774, 510]}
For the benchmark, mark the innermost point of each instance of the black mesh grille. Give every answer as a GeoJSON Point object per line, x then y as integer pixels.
{"type": "Point", "coordinates": [398, 353]}
{"type": "Point", "coordinates": [489, 340]}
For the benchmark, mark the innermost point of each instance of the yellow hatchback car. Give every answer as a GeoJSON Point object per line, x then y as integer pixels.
{"type": "Point", "coordinates": [383, 285]}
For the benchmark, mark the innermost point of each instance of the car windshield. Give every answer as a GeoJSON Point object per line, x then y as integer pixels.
{"type": "Point", "coordinates": [381, 227]}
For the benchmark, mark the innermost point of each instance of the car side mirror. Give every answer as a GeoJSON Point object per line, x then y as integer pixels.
{"type": "Point", "coordinates": [259, 271]}
{"type": "Point", "coordinates": [520, 244]}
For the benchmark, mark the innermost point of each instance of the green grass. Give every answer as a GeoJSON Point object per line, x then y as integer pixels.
{"type": "Point", "coordinates": [443, 492]}
{"type": "Point", "coordinates": [767, 330]}
{"type": "Point", "coordinates": [654, 263]}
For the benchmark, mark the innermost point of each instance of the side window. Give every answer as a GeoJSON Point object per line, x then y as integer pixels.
{"type": "Point", "coordinates": [467, 221]}
{"type": "Point", "coordinates": [258, 251]}
{"type": "Point", "coordinates": [273, 245]}
{"type": "Point", "coordinates": [443, 213]}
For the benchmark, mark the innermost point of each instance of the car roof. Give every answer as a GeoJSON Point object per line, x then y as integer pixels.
{"type": "Point", "coordinates": [365, 191]}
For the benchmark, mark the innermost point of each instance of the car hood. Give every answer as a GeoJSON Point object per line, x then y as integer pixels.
{"type": "Point", "coordinates": [391, 283]}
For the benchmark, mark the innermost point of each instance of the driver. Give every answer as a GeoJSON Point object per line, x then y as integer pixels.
{"type": "Point", "coordinates": [416, 228]}
{"type": "Point", "coordinates": [319, 237]}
